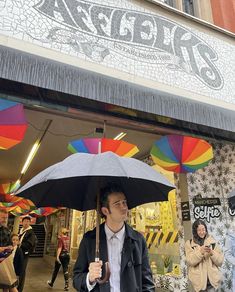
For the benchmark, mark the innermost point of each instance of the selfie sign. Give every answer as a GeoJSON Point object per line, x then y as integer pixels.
{"type": "Point", "coordinates": [205, 208]}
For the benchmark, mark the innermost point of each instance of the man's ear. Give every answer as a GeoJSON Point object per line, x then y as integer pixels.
{"type": "Point", "coordinates": [105, 211]}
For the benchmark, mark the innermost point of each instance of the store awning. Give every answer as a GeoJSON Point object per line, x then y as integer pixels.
{"type": "Point", "coordinates": [26, 68]}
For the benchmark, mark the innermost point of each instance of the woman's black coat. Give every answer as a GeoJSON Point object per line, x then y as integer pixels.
{"type": "Point", "coordinates": [136, 274]}
{"type": "Point", "coordinates": [18, 261]}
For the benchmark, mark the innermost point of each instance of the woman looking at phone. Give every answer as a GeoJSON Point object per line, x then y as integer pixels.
{"type": "Point", "coordinates": [204, 257]}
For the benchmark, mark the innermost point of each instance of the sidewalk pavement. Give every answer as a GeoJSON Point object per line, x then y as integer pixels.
{"type": "Point", "coordinates": [38, 272]}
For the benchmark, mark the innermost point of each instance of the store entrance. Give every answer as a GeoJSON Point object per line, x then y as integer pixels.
{"type": "Point", "coordinates": [56, 129]}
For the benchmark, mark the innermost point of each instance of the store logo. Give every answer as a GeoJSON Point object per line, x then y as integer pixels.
{"type": "Point", "coordinates": [204, 208]}
{"type": "Point", "coordinates": [95, 30]}
{"type": "Point", "coordinates": [206, 213]}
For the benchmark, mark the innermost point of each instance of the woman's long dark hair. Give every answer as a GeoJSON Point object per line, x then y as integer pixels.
{"type": "Point", "coordinates": [196, 238]}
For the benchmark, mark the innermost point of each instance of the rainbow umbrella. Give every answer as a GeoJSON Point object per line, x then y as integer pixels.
{"type": "Point", "coordinates": [12, 123]}
{"type": "Point", "coordinates": [44, 211]}
{"type": "Point", "coordinates": [10, 202]}
{"type": "Point", "coordinates": [181, 154]}
{"type": "Point", "coordinates": [92, 145]}
{"type": "Point", "coordinates": [6, 188]}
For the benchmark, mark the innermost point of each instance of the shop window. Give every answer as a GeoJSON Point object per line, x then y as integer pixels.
{"type": "Point", "coordinates": [159, 224]}
{"type": "Point", "coordinates": [188, 6]}
{"type": "Point", "coordinates": [169, 2]}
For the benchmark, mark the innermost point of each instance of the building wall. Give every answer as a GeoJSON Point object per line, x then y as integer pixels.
{"type": "Point", "coordinates": [218, 12]}
{"type": "Point", "coordinates": [217, 180]}
{"type": "Point", "coordinates": [224, 14]}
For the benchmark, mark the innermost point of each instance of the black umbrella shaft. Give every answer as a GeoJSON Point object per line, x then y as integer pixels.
{"type": "Point", "coordinates": [97, 241]}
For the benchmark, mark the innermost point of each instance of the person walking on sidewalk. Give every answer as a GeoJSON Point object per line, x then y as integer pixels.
{"type": "Point", "coordinates": [28, 242]}
{"type": "Point", "coordinates": [62, 258]}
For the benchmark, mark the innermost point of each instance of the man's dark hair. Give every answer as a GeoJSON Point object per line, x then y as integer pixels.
{"type": "Point", "coordinates": [26, 218]}
{"type": "Point", "coordinates": [109, 189]}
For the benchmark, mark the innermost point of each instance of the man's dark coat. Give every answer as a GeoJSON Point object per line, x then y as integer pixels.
{"type": "Point", "coordinates": [136, 274]}
{"type": "Point", "coordinates": [29, 240]}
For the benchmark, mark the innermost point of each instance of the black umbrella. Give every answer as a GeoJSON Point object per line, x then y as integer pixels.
{"type": "Point", "coordinates": [75, 183]}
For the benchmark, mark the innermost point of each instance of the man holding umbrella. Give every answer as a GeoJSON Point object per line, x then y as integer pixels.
{"type": "Point", "coordinates": [121, 246]}
{"type": "Point", "coordinates": [75, 183]}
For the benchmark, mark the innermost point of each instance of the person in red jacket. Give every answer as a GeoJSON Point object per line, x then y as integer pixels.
{"type": "Point", "coordinates": [62, 259]}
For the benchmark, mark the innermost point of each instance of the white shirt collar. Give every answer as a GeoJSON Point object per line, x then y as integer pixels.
{"type": "Point", "coordinates": [109, 233]}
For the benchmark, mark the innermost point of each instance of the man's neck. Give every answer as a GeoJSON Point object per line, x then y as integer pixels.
{"type": "Point", "coordinates": [113, 226]}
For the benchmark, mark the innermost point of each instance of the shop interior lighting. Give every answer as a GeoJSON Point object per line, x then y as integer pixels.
{"type": "Point", "coordinates": [120, 136]}
{"type": "Point", "coordinates": [30, 157]}
{"type": "Point", "coordinates": [33, 152]}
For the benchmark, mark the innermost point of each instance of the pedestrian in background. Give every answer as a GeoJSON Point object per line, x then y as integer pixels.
{"type": "Point", "coordinates": [28, 242]}
{"type": "Point", "coordinates": [62, 259]}
{"type": "Point", "coordinates": [204, 257]}
{"type": "Point", "coordinates": [17, 261]}
{"type": "Point", "coordinates": [5, 240]}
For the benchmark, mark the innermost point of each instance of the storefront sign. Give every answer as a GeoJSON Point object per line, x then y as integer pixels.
{"type": "Point", "coordinates": [185, 211]}
{"type": "Point", "coordinates": [206, 201]}
{"type": "Point", "coordinates": [205, 208]}
{"type": "Point", "coordinates": [206, 213]}
{"type": "Point", "coordinates": [131, 37]}
{"type": "Point", "coordinates": [186, 215]}
{"type": "Point", "coordinates": [185, 205]}
{"type": "Point", "coordinates": [143, 36]}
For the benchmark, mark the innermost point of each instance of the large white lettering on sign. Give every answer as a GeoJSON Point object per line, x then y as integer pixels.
{"type": "Point", "coordinates": [128, 37]}
{"type": "Point", "coordinates": [149, 37]}
{"type": "Point", "coordinates": [206, 213]}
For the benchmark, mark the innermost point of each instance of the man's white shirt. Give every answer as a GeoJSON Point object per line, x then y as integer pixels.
{"type": "Point", "coordinates": [115, 243]}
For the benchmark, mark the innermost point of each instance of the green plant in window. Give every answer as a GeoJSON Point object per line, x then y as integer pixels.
{"type": "Point", "coordinates": [166, 261]}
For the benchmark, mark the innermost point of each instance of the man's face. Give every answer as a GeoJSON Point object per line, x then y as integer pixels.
{"type": "Point", "coordinates": [118, 210]}
{"type": "Point", "coordinates": [3, 219]}
{"type": "Point", "coordinates": [26, 223]}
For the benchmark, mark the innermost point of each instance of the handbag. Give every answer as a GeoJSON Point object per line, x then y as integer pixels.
{"type": "Point", "coordinates": [7, 271]}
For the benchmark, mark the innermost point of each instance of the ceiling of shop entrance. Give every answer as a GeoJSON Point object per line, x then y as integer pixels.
{"type": "Point", "coordinates": [53, 148]}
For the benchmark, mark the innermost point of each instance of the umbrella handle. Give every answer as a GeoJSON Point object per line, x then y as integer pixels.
{"type": "Point", "coordinates": [106, 276]}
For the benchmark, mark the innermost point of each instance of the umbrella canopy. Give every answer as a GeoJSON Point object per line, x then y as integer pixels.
{"type": "Point", "coordinates": [100, 145]}
{"type": "Point", "coordinates": [19, 206]}
{"type": "Point", "coordinates": [12, 123]}
{"type": "Point", "coordinates": [75, 182]}
{"type": "Point", "coordinates": [44, 211]}
{"type": "Point", "coordinates": [6, 188]}
{"type": "Point", "coordinates": [12, 203]}
{"type": "Point", "coordinates": [181, 154]}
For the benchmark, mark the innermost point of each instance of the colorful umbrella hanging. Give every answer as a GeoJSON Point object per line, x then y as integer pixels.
{"type": "Point", "coordinates": [44, 211]}
{"type": "Point", "coordinates": [91, 145]}
{"type": "Point", "coordinates": [6, 188]}
{"type": "Point", "coordinates": [10, 203]}
{"type": "Point", "coordinates": [12, 123]}
{"type": "Point", "coordinates": [181, 154]}
{"type": "Point", "coordinates": [19, 206]}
